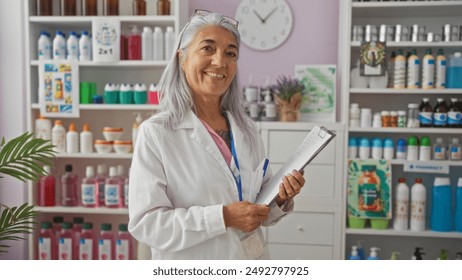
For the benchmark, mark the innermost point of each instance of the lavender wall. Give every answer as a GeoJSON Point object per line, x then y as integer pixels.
{"type": "Point", "coordinates": [313, 40]}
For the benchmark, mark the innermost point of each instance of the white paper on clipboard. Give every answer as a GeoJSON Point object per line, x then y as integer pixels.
{"type": "Point", "coordinates": [314, 142]}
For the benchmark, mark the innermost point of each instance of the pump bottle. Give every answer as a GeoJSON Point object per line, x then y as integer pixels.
{"type": "Point", "coordinates": [373, 254]}
{"type": "Point", "coordinates": [354, 253]}
{"type": "Point", "coordinates": [418, 254]}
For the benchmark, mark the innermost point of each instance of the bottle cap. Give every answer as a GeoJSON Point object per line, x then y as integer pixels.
{"type": "Point", "coordinates": [377, 143]}
{"type": "Point", "coordinates": [113, 171]}
{"type": "Point", "coordinates": [71, 126]}
{"type": "Point", "coordinates": [352, 142]}
{"type": "Point", "coordinates": [425, 141]}
{"type": "Point", "coordinates": [98, 99]}
{"type": "Point", "coordinates": [401, 142]}
{"type": "Point", "coordinates": [66, 225]}
{"type": "Point", "coordinates": [73, 33]}
{"type": "Point", "coordinates": [46, 225]}
{"type": "Point", "coordinates": [388, 143]}
{"type": "Point", "coordinates": [87, 225]}
{"type": "Point", "coordinates": [106, 227]}
{"type": "Point", "coordinates": [147, 29]}
{"type": "Point", "coordinates": [364, 142]}
{"type": "Point", "coordinates": [169, 29]}
{"type": "Point", "coordinates": [85, 32]}
{"type": "Point", "coordinates": [402, 180]}
{"type": "Point", "coordinates": [58, 122]}
{"type": "Point", "coordinates": [58, 219]}
{"type": "Point", "coordinates": [101, 169]}
{"type": "Point", "coordinates": [86, 127]}
{"type": "Point", "coordinates": [412, 141]}
{"type": "Point", "coordinates": [78, 220]}
{"type": "Point", "coordinates": [418, 180]}
{"type": "Point", "coordinates": [68, 168]}
{"type": "Point", "coordinates": [413, 105]}
{"type": "Point", "coordinates": [157, 29]}
{"type": "Point", "coordinates": [123, 227]}
{"type": "Point", "coordinates": [89, 171]}
{"type": "Point", "coordinates": [385, 113]}
{"type": "Point", "coordinates": [439, 140]}
{"type": "Point", "coordinates": [441, 182]}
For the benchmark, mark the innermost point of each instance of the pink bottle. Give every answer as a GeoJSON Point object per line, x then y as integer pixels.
{"type": "Point", "coordinates": [69, 187]}
{"type": "Point", "coordinates": [47, 189]}
{"type": "Point", "coordinates": [101, 177]}
{"type": "Point", "coordinates": [134, 44]}
{"type": "Point", "coordinates": [153, 94]}
{"type": "Point", "coordinates": [124, 244]}
{"type": "Point", "coordinates": [66, 242]}
{"type": "Point", "coordinates": [77, 229]}
{"type": "Point", "coordinates": [88, 245]}
{"type": "Point", "coordinates": [123, 185]}
{"type": "Point", "coordinates": [46, 242]}
{"type": "Point", "coordinates": [123, 46]}
{"type": "Point", "coordinates": [106, 246]}
{"type": "Point", "coordinates": [89, 188]}
{"type": "Point", "coordinates": [57, 226]}
{"type": "Point", "coordinates": [113, 189]}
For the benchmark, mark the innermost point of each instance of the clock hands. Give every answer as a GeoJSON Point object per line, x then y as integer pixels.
{"type": "Point", "coordinates": [261, 19]}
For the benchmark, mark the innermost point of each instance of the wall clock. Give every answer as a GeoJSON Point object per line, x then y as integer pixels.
{"type": "Point", "coordinates": [264, 24]}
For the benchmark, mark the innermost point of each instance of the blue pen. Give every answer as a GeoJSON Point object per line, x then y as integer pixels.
{"type": "Point", "coordinates": [265, 166]}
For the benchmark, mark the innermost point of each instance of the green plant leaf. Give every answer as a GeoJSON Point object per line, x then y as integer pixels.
{"type": "Point", "coordinates": [14, 222]}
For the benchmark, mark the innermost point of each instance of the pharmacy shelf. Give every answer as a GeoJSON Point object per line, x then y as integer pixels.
{"type": "Point", "coordinates": [82, 210]}
{"type": "Point", "coordinates": [455, 44]}
{"type": "Point", "coordinates": [406, 130]}
{"type": "Point", "coordinates": [403, 162]}
{"type": "Point", "coordinates": [404, 9]}
{"type": "Point", "coordinates": [110, 107]}
{"type": "Point", "coordinates": [124, 63]}
{"type": "Point", "coordinates": [392, 232]}
{"type": "Point", "coordinates": [86, 20]}
{"type": "Point", "coordinates": [97, 156]}
{"type": "Point", "coordinates": [386, 91]}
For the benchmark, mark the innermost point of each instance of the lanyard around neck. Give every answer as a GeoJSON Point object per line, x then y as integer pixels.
{"type": "Point", "coordinates": [237, 177]}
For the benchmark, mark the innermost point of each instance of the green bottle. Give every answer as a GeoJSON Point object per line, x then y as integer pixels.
{"type": "Point", "coordinates": [425, 149]}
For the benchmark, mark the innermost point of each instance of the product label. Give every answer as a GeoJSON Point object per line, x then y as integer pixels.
{"type": "Point", "coordinates": [88, 194]}
{"type": "Point", "coordinates": [425, 118]}
{"type": "Point", "coordinates": [86, 249]}
{"type": "Point", "coordinates": [418, 211]}
{"type": "Point", "coordinates": [126, 194]}
{"type": "Point", "coordinates": [111, 194]}
{"type": "Point", "coordinates": [439, 153]}
{"type": "Point", "coordinates": [401, 209]}
{"type": "Point", "coordinates": [104, 249]}
{"type": "Point", "coordinates": [367, 197]}
{"type": "Point", "coordinates": [455, 153]}
{"type": "Point", "coordinates": [440, 119]}
{"type": "Point", "coordinates": [454, 118]}
{"type": "Point", "coordinates": [44, 248]}
{"type": "Point", "coordinates": [122, 249]}
{"type": "Point", "coordinates": [65, 249]}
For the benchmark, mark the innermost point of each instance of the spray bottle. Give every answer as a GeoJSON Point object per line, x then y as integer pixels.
{"type": "Point", "coordinates": [354, 253]}
{"type": "Point", "coordinates": [418, 254]}
{"type": "Point", "coordinates": [394, 255]}
{"type": "Point", "coordinates": [374, 255]}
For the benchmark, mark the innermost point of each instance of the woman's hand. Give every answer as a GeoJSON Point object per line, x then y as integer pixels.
{"type": "Point", "coordinates": [245, 216]}
{"type": "Point", "coordinates": [291, 186]}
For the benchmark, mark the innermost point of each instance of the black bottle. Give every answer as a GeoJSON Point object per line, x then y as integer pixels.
{"type": "Point", "coordinates": [425, 113]}
{"type": "Point", "coordinates": [454, 115]}
{"type": "Point", "coordinates": [440, 113]}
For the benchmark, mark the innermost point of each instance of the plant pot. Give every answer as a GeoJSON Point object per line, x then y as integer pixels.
{"type": "Point", "coordinates": [288, 109]}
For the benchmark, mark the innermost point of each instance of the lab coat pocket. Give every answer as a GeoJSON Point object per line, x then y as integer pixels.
{"type": "Point", "coordinates": [256, 180]}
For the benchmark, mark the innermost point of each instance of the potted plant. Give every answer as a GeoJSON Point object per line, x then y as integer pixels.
{"type": "Point", "coordinates": [22, 158]}
{"type": "Point", "coordinates": [288, 96]}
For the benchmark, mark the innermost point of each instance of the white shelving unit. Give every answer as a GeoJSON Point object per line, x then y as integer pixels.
{"type": "Point", "coordinates": [432, 14]}
{"type": "Point", "coordinates": [96, 115]}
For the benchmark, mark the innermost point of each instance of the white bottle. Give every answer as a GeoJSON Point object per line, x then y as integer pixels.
{"type": "Point", "coordinates": [135, 126]}
{"type": "Point", "coordinates": [169, 42]}
{"type": "Point", "coordinates": [158, 44]}
{"type": "Point", "coordinates": [401, 205]}
{"type": "Point", "coordinates": [440, 75]}
{"type": "Point", "coordinates": [146, 43]}
{"type": "Point", "coordinates": [428, 70]}
{"type": "Point", "coordinates": [44, 46]}
{"type": "Point", "coordinates": [72, 140]}
{"type": "Point", "coordinates": [85, 47]}
{"type": "Point", "coordinates": [86, 140]}
{"type": "Point", "coordinates": [43, 128]}
{"type": "Point", "coordinates": [72, 46]}
{"type": "Point", "coordinates": [58, 137]}
{"type": "Point", "coordinates": [355, 114]}
{"type": "Point", "coordinates": [366, 117]}
{"type": "Point", "coordinates": [399, 71]}
{"type": "Point", "coordinates": [59, 46]}
{"type": "Point", "coordinates": [418, 205]}
{"type": "Point", "coordinates": [454, 152]}
{"type": "Point", "coordinates": [413, 70]}
{"type": "Point", "coordinates": [439, 149]}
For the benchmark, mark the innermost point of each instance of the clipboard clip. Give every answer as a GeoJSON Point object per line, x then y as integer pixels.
{"type": "Point", "coordinates": [323, 131]}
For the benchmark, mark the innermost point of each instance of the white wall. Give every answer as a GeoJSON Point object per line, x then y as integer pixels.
{"type": "Point", "coordinates": [12, 102]}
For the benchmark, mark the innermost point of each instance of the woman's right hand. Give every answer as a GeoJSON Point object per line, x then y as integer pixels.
{"type": "Point", "coordinates": [245, 216]}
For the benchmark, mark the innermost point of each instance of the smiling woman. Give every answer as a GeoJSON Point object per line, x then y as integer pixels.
{"type": "Point", "coordinates": [199, 163]}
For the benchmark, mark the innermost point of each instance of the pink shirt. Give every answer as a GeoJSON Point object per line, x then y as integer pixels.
{"type": "Point", "coordinates": [221, 144]}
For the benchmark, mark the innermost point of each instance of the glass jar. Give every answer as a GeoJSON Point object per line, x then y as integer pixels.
{"type": "Point", "coordinates": [139, 7]}
{"type": "Point", "coordinates": [111, 7]}
{"type": "Point", "coordinates": [44, 7]}
{"type": "Point", "coordinates": [68, 7]}
{"type": "Point", "coordinates": [89, 7]}
{"type": "Point", "coordinates": [163, 7]}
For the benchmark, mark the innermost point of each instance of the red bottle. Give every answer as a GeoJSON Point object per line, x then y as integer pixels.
{"type": "Point", "coordinates": [134, 44]}
{"type": "Point", "coordinates": [66, 242]}
{"type": "Point", "coordinates": [77, 229]}
{"type": "Point", "coordinates": [88, 245]}
{"type": "Point", "coordinates": [124, 244]}
{"type": "Point", "coordinates": [46, 242]}
{"type": "Point", "coordinates": [106, 247]}
{"type": "Point", "coordinates": [47, 189]}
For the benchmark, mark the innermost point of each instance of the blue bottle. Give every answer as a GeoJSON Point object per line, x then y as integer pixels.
{"type": "Point", "coordinates": [352, 147]}
{"type": "Point", "coordinates": [401, 149]}
{"type": "Point", "coordinates": [354, 254]}
{"type": "Point", "coordinates": [441, 214]}
{"type": "Point", "coordinates": [458, 211]}
{"type": "Point", "coordinates": [454, 71]}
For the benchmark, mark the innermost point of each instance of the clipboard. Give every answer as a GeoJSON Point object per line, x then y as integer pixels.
{"type": "Point", "coordinates": [315, 141]}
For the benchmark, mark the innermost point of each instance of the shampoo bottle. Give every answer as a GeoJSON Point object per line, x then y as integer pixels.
{"type": "Point", "coordinates": [146, 43]}
{"type": "Point", "coordinates": [86, 140]}
{"type": "Point", "coordinates": [72, 140]}
{"type": "Point", "coordinates": [401, 205]}
{"type": "Point", "coordinates": [43, 128]}
{"type": "Point", "coordinates": [89, 188]}
{"type": "Point", "coordinates": [428, 70]}
{"type": "Point", "coordinates": [169, 42]}
{"type": "Point", "coordinates": [373, 254]}
{"type": "Point", "coordinates": [158, 44]}
{"type": "Point", "coordinates": [58, 137]}
{"type": "Point", "coordinates": [440, 75]}
{"type": "Point", "coordinates": [399, 79]}
{"type": "Point", "coordinates": [413, 70]}
{"type": "Point", "coordinates": [354, 253]}
{"type": "Point", "coordinates": [418, 205]}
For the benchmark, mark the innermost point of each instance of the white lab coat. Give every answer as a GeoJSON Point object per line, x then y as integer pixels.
{"type": "Point", "coordinates": [179, 183]}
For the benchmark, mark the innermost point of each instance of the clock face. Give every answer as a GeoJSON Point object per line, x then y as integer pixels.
{"type": "Point", "coordinates": [264, 24]}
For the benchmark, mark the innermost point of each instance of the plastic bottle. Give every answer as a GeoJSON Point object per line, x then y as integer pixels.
{"type": "Point", "coordinates": [135, 126]}
{"type": "Point", "coordinates": [364, 148]}
{"type": "Point", "coordinates": [385, 117]}
{"type": "Point", "coordinates": [376, 120]}
{"type": "Point", "coordinates": [360, 248]}
{"type": "Point", "coordinates": [455, 150]}
{"type": "Point", "coordinates": [402, 120]}
{"type": "Point", "coordinates": [139, 7]}
{"type": "Point", "coordinates": [57, 225]}
{"type": "Point", "coordinates": [439, 149]}
{"type": "Point", "coordinates": [454, 71]}
{"type": "Point", "coordinates": [440, 75]}
{"type": "Point", "coordinates": [158, 44]}
{"type": "Point", "coordinates": [413, 115]}
{"type": "Point", "coordinates": [68, 7]}
{"type": "Point", "coordinates": [69, 187]}
{"type": "Point", "coordinates": [377, 148]}
{"type": "Point", "coordinates": [110, 7]}
{"type": "Point", "coordinates": [59, 46]}
{"type": "Point", "coordinates": [169, 42]}
{"type": "Point", "coordinates": [89, 7]}
{"type": "Point", "coordinates": [85, 50]}
{"type": "Point", "coordinates": [163, 7]}
{"type": "Point", "coordinates": [413, 70]}
{"type": "Point", "coordinates": [428, 70]}
{"type": "Point", "coordinates": [388, 148]}
{"type": "Point", "coordinates": [373, 254]}
{"type": "Point", "coordinates": [134, 44]}
{"type": "Point", "coordinates": [352, 147]}
{"type": "Point", "coordinates": [146, 43]}
{"type": "Point", "coordinates": [72, 140]}
{"type": "Point", "coordinates": [47, 188]}
{"type": "Point", "coordinates": [46, 242]}
{"type": "Point", "coordinates": [443, 255]}
{"type": "Point", "coordinates": [454, 114]}
{"type": "Point", "coordinates": [124, 244]}
{"type": "Point", "coordinates": [112, 189]}
{"type": "Point", "coordinates": [356, 80]}
{"type": "Point", "coordinates": [89, 188]}
{"type": "Point", "coordinates": [126, 187]}
{"type": "Point", "coordinates": [58, 137]}
{"type": "Point", "coordinates": [401, 149]}
{"type": "Point", "coordinates": [412, 148]}
{"type": "Point", "coordinates": [77, 227]}
{"type": "Point", "coordinates": [66, 242]}
{"type": "Point", "coordinates": [354, 253]}
{"type": "Point", "coordinates": [418, 254]}
{"type": "Point", "coordinates": [43, 128]}
{"type": "Point", "coordinates": [425, 149]}
{"type": "Point", "coordinates": [72, 45]}
{"type": "Point", "coordinates": [106, 244]}
{"type": "Point", "coordinates": [458, 208]}
{"type": "Point", "coordinates": [44, 46]}
{"type": "Point", "coordinates": [88, 245]}
{"type": "Point", "coordinates": [86, 140]}
{"type": "Point", "coordinates": [355, 114]}
{"type": "Point", "coordinates": [391, 69]}
{"type": "Point", "coordinates": [440, 113]}
{"type": "Point", "coordinates": [394, 255]}
{"type": "Point", "coordinates": [140, 94]}
{"type": "Point", "coordinates": [101, 176]}
{"type": "Point", "coordinates": [393, 119]}
{"type": "Point", "coordinates": [425, 113]}
{"type": "Point", "coordinates": [418, 206]}
{"type": "Point", "coordinates": [366, 117]}
{"type": "Point", "coordinates": [441, 218]}
{"type": "Point", "coordinates": [399, 79]}
{"type": "Point", "coordinates": [153, 94]}
{"type": "Point", "coordinates": [401, 206]}
{"type": "Point", "coordinates": [44, 7]}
